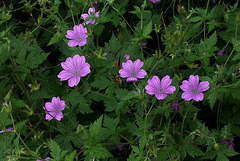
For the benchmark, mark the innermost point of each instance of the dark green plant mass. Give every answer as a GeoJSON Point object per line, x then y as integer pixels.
{"type": "Point", "coordinates": [115, 80]}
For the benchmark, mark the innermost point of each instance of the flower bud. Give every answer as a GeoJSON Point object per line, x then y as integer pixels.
{"type": "Point", "coordinates": [216, 146]}
{"type": "Point", "coordinates": [238, 17]}
{"type": "Point", "coordinates": [7, 107]}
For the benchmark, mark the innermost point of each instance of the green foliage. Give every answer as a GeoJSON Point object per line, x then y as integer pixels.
{"type": "Point", "coordinates": [105, 117]}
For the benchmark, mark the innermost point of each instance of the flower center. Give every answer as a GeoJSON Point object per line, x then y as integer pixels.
{"type": "Point", "coordinates": [76, 73]}
{"type": "Point", "coordinates": [134, 74]}
{"type": "Point", "coordinates": [80, 39]}
{"type": "Point", "coordinates": [195, 91]}
{"type": "Point", "coordinates": [57, 110]}
{"type": "Point", "coordinates": [160, 91]}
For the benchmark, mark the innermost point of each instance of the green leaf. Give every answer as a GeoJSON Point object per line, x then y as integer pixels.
{"type": "Point", "coordinates": [56, 151]}
{"type": "Point", "coordinates": [95, 128]}
{"type": "Point", "coordinates": [101, 82]}
{"type": "Point", "coordinates": [80, 103]}
{"type": "Point", "coordinates": [147, 29]}
{"type": "Point", "coordinates": [97, 152]}
{"type": "Point", "coordinates": [212, 98]}
{"type": "Point", "coordinates": [70, 157]}
{"type": "Point", "coordinates": [211, 41]}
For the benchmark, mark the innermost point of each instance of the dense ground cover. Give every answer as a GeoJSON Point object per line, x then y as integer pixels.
{"type": "Point", "coordinates": [119, 80]}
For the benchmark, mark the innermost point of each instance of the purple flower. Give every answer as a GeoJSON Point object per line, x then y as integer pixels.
{"type": "Point", "coordinates": [220, 52]}
{"type": "Point", "coordinates": [127, 57]}
{"type": "Point", "coordinates": [160, 88]}
{"type": "Point", "coordinates": [175, 106]}
{"type": "Point", "coordinates": [74, 69]}
{"type": "Point", "coordinates": [7, 130]}
{"type": "Point", "coordinates": [39, 159]}
{"type": "Point", "coordinates": [78, 36]}
{"type": "Point", "coordinates": [91, 13]}
{"type": "Point", "coordinates": [155, 1]}
{"type": "Point", "coordinates": [120, 147]}
{"type": "Point", "coordinates": [229, 144]}
{"type": "Point", "coordinates": [54, 109]}
{"type": "Point", "coordinates": [193, 89]}
{"type": "Point", "coordinates": [132, 71]}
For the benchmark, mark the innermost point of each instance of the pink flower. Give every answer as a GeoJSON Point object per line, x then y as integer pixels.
{"type": "Point", "coordinates": [91, 13]}
{"type": "Point", "coordinates": [74, 69]}
{"type": "Point", "coordinates": [7, 130]}
{"type": "Point", "coordinates": [54, 109]}
{"type": "Point", "coordinates": [78, 36]}
{"type": "Point", "coordinates": [132, 71]}
{"type": "Point", "coordinates": [127, 57]}
{"type": "Point", "coordinates": [39, 159]}
{"type": "Point", "coordinates": [160, 88]}
{"type": "Point", "coordinates": [220, 52]}
{"type": "Point", "coordinates": [155, 1]}
{"type": "Point", "coordinates": [193, 89]}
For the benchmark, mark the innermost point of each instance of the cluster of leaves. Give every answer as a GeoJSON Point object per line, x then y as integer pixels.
{"type": "Point", "coordinates": [107, 118]}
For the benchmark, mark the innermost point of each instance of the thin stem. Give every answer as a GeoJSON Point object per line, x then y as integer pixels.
{"type": "Point", "coordinates": [15, 130]}
{"type": "Point", "coordinates": [71, 12]}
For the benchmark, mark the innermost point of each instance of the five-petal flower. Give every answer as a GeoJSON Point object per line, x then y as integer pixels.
{"type": "Point", "coordinates": [54, 109]}
{"type": "Point", "coordinates": [132, 71]}
{"type": "Point", "coordinates": [160, 87]}
{"type": "Point", "coordinates": [74, 69]}
{"type": "Point", "coordinates": [78, 36]}
{"type": "Point", "coordinates": [193, 89]}
{"type": "Point", "coordinates": [91, 12]}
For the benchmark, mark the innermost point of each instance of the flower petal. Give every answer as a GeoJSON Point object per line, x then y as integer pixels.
{"type": "Point", "coordinates": [132, 79]}
{"type": "Point", "coordinates": [203, 86]}
{"type": "Point", "coordinates": [160, 96]}
{"type": "Point", "coordinates": [74, 81]}
{"type": "Point", "coordinates": [141, 73]}
{"type": "Point", "coordinates": [187, 96]}
{"type": "Point", "coordinates": [198, 97]}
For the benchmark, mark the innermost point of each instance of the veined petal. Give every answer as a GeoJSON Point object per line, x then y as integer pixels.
{"type": "Point", "coordinates": [141, 73]}
{"type": "Point", "coordinates": [137, 65]}
{"type": "Point", "coordinates": [194, 80]}
{"type": "Point", "coordinates": [65, 75]}
{"type": "Point", "coordinates": [203, 86]}
{"type": "Point", "coordinates": [71, 35]}
{"type": "Point", "coordinates": [74, 81]}
{"type": "Point", "coordinates": [132, 79]}
{"type": "Point", "coordinates": [124, 73]}
{"type": "Point", "coordinates": [73, 43]}
{"type": "Point", "coordinates": [198, 97]}
{"type": "Point", "coordinates": [160, 96]}
{"type": "Point", "coordinates": [48, 117]}
{"type": "Point", "coordinates": [49, 106]}
{"type": "Point", "coordinates": [170, 90]}
{"type": "Point", "coordinates": [62, 105]}
{"type": "Point", "coordinates": [187, 96]}
{"type": "Point", "coordinates": [186, 86]}
{"type": "Point", "coordinates": [155, 81]}
{"type": "Point", "coordinates": [59, 116]}
{"type": "Point", "coordinates": [91, 10]}
{"type": "Point", "coordinates": [84, 16]}
{"type": "Point", "coordinates": [85, 70]}
{"type": "Point", "coordinates": [165, 82]}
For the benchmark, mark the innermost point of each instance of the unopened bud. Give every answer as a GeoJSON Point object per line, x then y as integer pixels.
{"type": "Point", "coordinates": [238, 17]}
{"type": "Point", "coordinates": [216, 146]}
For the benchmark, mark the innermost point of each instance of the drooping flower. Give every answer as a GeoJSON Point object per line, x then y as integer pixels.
{"type": "Point", "coordinates": [160, 88]}
{"type": "Point", "coordinates": [54, 109]}
{"type": "Point", "coordinates": [193, 89]}
{"type": "Point", "coordinates": [155, 1]}
{"type": "Point", "coordinates": [229, 144]}
{"type": "Point", "coordinates": [74, 69]}
{"type": "Point", "coordinates": [91, 13]}
{"type": "Point", "coordinates": [7, 130]}
{"type": "Point", "coordinates": [175, 106]}
{"type": "Point", "coordinates": [78, 36]}
{"type": "Point", "coordinates": [120, 147]}
{"type": "Point", "coordinates": [127, 57]}
{"type": "Point", "coordinates": [220, 52]}
{"type": "Point", "coordinates": [132, 71]}
{"type": "Point", "coordinates": [39, 159]}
